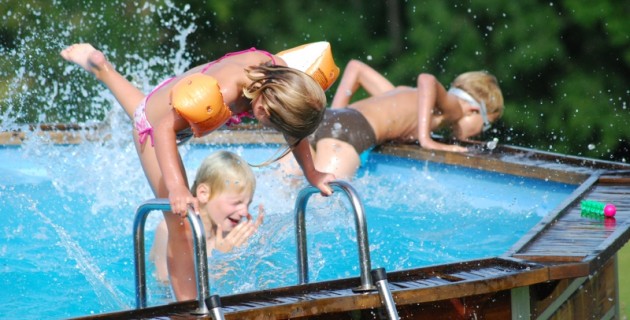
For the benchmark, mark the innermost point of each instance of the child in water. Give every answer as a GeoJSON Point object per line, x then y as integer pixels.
{"type": "Point", "coordinates": [250, 82]}
{"type": "Point", "coordinates": [224, 186]}
{"type": "Point", "coordinates": [402, 114]}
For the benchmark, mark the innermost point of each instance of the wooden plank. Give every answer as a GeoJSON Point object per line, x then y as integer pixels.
{"type": "Point", "coordinates": [548, 221]}
{"type": "Point", "coordinates": [549, 258]}
{"type": "Point", "coordinates": [488, 162]}
{"type": "Point", "coordinates": [571, 237]}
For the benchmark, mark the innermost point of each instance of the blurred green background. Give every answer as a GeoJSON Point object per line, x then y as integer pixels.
{"type": "Point", "coordinates": [564, 66]}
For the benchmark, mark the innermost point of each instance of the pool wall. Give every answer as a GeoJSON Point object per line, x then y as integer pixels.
{"type": "Point", "coordinates": [564, 268]}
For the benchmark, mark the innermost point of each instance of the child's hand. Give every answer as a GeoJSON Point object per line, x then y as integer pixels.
{"type": "Point", "coordinates": [180, 199]}
{"type": "Point", "coordinates": [455, 148]}
{"type": "Point", "coordinates": [320, 180]}
{"type": "Point", "coordinates": [239, 234]}
{"type": "Point", "coordinates": [434, 145]}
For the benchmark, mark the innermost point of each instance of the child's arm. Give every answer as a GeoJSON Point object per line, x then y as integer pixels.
{"type": "Point", "coordinates": [358, 74]}
{"type": "Point", "coordinates": [171, 165]}
{"type": "Point", "coordinates": [432, 94]}
{"type": "Point", "coordinates": [302, 153]}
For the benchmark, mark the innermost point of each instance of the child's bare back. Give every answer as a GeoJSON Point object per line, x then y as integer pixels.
{"type": "Point", "coordinates": [393, 115]}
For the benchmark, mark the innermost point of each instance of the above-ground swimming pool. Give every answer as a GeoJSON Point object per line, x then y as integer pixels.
{"type": "Point", "coordinates": [68, 212]}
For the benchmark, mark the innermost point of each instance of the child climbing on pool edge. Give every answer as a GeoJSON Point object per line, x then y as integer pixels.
{"type": "Point", "coordinates": [472, 103]}
{"type": "Point", "coordinates": [402, 114]}
{"type": "Point", "coordinates": [224, 186]}
{"type": "Point", "coordinates": [249, 82]}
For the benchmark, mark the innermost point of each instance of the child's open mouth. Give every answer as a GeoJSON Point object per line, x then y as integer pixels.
{"type": "Point", "coordinates": [234, 221]}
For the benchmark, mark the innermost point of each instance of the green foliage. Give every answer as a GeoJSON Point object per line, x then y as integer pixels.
{"type": "Point", "coordinates": [564, 66]}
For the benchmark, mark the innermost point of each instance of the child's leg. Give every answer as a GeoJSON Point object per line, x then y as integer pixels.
{"type": "Point", "coordinates": [180, 259]}
{"type": "Point", "coordinates": [358, 74]}
{"type": "Point", "coordinates": [180, 255]}
{"type": "Point", "coordinates": [336, 157]}
{"type": "Point", "coordinates": [94, 61]}
{"type": "Point", "coordinates": [158, 252]}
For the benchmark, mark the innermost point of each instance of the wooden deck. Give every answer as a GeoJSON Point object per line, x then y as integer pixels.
{"type": "Point", "coordinates": [568, 237]}
{"type": "Point", "coordinates": [336, 300]}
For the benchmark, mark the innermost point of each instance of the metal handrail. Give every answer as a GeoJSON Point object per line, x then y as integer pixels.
{"type": "Point", "coordinates": [201, 256]}
{"type": "Point", "coordinates": [380, 279]}
{"type": "Point", "coordinates": [360, 225]}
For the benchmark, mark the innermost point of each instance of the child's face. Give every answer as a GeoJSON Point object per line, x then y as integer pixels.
{"type": "Point", "coordinates": [470, 123]}
{"type": "Point", "coordinates": [260, 112]}
{"type": "Point", "coordinates": [229, 208]}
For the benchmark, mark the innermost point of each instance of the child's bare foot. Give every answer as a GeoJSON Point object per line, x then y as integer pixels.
{"type": "Point", "coordinates": [86, 56]}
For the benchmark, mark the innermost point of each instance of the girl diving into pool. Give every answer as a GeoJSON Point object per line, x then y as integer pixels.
{"type": "Point", "coordinates": [197, 102]}
{"type": "Point", "coordinates": [402, 114]}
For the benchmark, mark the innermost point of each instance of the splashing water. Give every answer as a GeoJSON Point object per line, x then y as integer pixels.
{"type": "Point", "coordinates": [101, 177]}
{"type": "Point", "coordinates": [105, 291]}
{"type": "Point", "coordinates": [43, 88]}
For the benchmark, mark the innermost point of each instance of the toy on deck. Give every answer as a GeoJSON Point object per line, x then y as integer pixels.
{"type": "Point", "coordinates": [597, 209]}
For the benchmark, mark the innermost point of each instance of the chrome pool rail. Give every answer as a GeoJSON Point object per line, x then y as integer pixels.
{"type": "Point", "coordinates": [216, 308]}
{"type": "Point", "coordinates": [199, 242]}
{"type": "Point", "coordinates": [360, 225]}
{"type": "Point", "coordinates": [380, 279]}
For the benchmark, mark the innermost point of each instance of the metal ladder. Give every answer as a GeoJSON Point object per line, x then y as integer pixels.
{"type": "Point", "coordinates": [380, 278]}
{"type": "Point", "coordinates": [360, 225]}
{"type": "Point", "coordinates": [201, 258]}
{"type": "Point", "coordinates": [367, 284]}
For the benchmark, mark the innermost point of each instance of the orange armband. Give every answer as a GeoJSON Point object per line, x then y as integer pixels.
{"type": "Point", "coordinates": [198, 99]}
{"type": "Point", "coordinates": [314, 59]}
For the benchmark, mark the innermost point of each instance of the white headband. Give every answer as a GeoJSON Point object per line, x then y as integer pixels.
{"type": "Point", "coordinates": [482, 106]}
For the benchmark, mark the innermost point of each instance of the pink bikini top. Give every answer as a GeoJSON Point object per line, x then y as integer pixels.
{"type": "Point", "coordinates": [238, 118]}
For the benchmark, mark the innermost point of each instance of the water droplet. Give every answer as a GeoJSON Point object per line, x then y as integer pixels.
{"type": "Point", "coordinates": [492, 144]}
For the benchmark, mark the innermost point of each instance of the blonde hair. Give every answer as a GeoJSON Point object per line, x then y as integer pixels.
{"type": "Point", "coordinates": [225, 171]}
{"type": "Point", "coordinates": [483, 87]}
{"type": "Point", "coordinates": [294, 101]}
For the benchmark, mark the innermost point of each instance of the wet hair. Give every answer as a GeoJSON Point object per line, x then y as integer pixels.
{"type": "Point", "coordinates": [294, 101]}
{"type": "Point", "coordinates": [225, 171]}
{"type": "Point", "coordinates": [483, 87]}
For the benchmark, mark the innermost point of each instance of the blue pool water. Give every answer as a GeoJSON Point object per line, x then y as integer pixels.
{"type": "Point", "coordinates": [67, 214]}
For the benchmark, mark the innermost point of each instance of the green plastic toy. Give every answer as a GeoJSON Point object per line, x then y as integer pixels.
{"type": "Point", "coordinates": [596, 208]}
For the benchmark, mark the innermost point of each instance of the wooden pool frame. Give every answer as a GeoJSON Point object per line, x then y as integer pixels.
{"type": "Point", "coordinates": [565, 267]}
